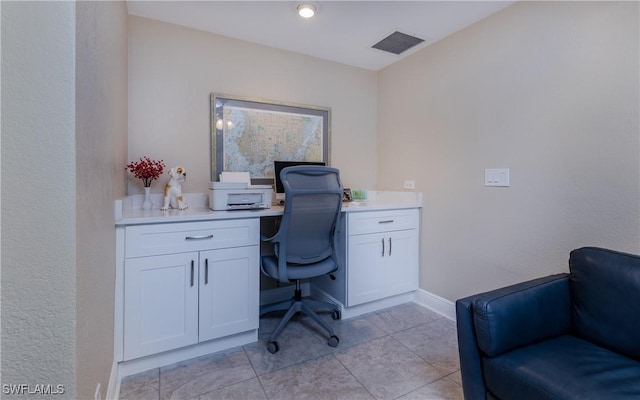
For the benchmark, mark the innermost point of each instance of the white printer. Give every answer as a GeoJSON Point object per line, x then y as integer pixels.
{"type": "Point", "coordinates": [235, 192]}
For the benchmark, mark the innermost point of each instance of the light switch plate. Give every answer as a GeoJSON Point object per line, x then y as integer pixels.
{"type": "Point", "coordinates": [500, 177]}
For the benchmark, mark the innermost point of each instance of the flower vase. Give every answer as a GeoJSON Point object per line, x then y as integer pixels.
{"type": "Point", "coordinates": [146, 203]}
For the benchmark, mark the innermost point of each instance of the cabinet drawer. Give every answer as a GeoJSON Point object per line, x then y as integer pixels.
{"type": "Point", "coordinates": [382, 221]}
{"type": "Point", "coordinates": [155, 239]}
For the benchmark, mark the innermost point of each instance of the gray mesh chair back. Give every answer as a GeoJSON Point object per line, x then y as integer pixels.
{"type": "Point", "coordinates": [305, 243]}
{"type": "Point", "coordinates": [313, 201]}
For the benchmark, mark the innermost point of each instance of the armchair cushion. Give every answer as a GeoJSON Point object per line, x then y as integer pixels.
{"type": "Point", "coordinates": [565, 367]}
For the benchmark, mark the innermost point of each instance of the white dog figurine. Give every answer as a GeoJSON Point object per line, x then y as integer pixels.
{"type": "Point", "coordinates": [173, 189]}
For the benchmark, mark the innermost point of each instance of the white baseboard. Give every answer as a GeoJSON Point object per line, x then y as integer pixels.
{"type": "Point", "coordinates": [426, 299]}
{"type": "Point", "coordinates": [437, 304]}
{"type": "Point", "coordinates": [113, 388]}
{"type": "Point", "coordinates": [376, 305]}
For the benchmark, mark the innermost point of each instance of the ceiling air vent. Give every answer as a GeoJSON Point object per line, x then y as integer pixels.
{"type": "Point", "coordinates": [397, 43]}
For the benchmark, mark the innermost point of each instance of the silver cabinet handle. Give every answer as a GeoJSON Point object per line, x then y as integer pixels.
{"type": "Point", "coordinates": [200, 237]}
{"type": "Point", "coordinates": [386, 221]}
{"type": "Point", "coordinates": [382, 247]}
{"type": "Point", "coordinates": [389, 246]}
{"type": "Point", "coordinates": [192, 272]}
{"type": "Point", "coordinates": [206, 271]}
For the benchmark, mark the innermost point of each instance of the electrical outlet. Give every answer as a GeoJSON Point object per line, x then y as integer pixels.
{"type": "Point", "coordinates": [410, 185]}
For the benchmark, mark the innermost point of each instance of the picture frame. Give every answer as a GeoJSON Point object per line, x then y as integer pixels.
{"type": "Point", "coordinates": [248, 134]}
{"type": "Point", "coordinates": [346, 195]}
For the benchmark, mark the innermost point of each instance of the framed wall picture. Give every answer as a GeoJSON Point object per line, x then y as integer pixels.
{"type": "Point", "coordinates": [346, 195]}
{"type": "Point", "coordinates": [248, 134]}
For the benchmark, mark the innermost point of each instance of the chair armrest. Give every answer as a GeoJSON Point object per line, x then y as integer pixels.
{"type": "Point", "coordinates": [491, 323]}
{"type": "Point", "coordinates": [470, 363]}
{"type": "Point", "coordinates": [522, 314]}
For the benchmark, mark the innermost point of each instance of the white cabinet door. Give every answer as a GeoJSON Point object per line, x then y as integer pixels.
{"type": "Point", "coordinates": [366, 272]}
{"type": "Point", "coordinates": [401, 262]}
{"type": "Point", "coordinates": [229, 291]}
{"type": "Point", "coordinates": [161, 303]}
{"type": "Point", "coordinates": [382, 265]}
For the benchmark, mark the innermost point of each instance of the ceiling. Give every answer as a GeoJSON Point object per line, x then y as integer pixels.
{"type": "Point", "coordinates": [341, 31]}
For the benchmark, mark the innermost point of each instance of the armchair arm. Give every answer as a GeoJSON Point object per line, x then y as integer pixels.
{"type": "Point", "coordinates": [522, 314]}
{"type": "Point", "coordinates": [501, 320]}
{"type": "Point", "coordinates": [470, 363]}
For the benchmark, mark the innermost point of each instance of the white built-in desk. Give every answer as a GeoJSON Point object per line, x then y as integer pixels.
{"type": "Point", "coordinates": [188, 282]}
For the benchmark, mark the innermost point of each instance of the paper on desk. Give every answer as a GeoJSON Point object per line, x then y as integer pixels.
{"type": "Point", "coordinates": [243, 177]}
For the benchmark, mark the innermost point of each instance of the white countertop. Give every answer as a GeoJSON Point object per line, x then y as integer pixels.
{"type": "Point", "coordinates": [128, 209]}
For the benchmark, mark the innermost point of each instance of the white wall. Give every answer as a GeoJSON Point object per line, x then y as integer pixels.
{"type": "Point", "coordinates": [101, 152]}
{"type": "Point", "coordinates": [172, 71]}
{"type": "Point", "coordinates": [38, 194]}
{"type": "Point", "coordinates": [548, 89]}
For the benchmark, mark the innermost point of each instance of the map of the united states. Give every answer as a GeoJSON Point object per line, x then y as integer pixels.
{"type": "Point", "coordinates": [253, 139]}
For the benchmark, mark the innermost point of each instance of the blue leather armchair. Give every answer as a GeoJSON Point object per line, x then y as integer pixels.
{"type": "Point", "coordinates": [565, 336]}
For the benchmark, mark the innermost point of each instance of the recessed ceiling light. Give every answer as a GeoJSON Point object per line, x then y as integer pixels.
{"type": "Point", "coordinates": [306, 10]}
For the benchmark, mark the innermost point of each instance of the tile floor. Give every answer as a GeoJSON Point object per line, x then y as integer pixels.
{"type": "Point", "coordinates": [403, 352]}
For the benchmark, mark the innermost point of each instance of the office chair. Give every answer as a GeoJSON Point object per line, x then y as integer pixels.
{"type": "Point", "coordinates": [304, 245]}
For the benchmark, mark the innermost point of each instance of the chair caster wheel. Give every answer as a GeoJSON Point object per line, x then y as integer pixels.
{"type": "Point", "coordinates": [333, 341]}
{"type": "Point", "coordinates": [272, 347]}
{"type": "Point", "coordinates": [336, 314]}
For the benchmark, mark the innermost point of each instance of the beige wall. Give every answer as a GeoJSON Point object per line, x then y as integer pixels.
{"type": "Point", "coordinates": [172, 71]}
{"type": "Point", "coordinates": [548, 89]}
{"type": "Point", "coordinates": [38, 195]}
{"type": "Point", "coordinates": [101, 152]}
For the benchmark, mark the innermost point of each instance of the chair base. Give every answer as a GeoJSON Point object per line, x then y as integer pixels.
{"type": "Point", "coordinates": [304, 305]}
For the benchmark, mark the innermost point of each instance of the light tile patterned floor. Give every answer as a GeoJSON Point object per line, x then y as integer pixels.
{"type": "Point", "coordinates": [403, 352]}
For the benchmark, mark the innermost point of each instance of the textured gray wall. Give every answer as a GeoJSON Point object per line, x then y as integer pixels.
{"type": "Point", "coordinates": [38, 195]}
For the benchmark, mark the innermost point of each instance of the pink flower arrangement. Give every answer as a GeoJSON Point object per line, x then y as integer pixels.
{"type": "Point", "coordinates": [146, 169]}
